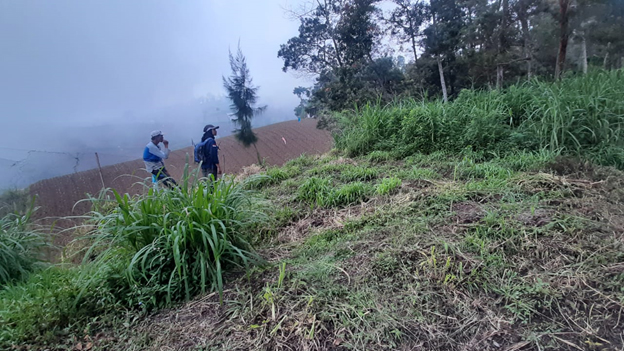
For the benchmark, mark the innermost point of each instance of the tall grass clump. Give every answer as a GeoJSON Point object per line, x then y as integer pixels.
{"type": "Point", "coordinates": [582, 116]}
{"type": "Point", "coordinates": [176, 243]}
{"type": "Point", "coordinates": [20, 247]}
{"type": "Point", "coordinates": [14, 201]}
{"type": "Point", "coordinates": [315, 191]}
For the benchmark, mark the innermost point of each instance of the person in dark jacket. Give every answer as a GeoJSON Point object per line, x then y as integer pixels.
{"type": "Point", "coordinates": [210, 163]}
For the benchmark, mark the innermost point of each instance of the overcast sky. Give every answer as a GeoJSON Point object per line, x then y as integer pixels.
{"type": "Point", "coordinates": [91, 60]}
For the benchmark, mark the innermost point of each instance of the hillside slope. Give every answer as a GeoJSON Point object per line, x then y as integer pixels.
{"type": "Point", "coordinates": [438, 252]}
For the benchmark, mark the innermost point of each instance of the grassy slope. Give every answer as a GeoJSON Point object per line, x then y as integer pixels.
{"type": "Point", "coordinates": [501, 255]}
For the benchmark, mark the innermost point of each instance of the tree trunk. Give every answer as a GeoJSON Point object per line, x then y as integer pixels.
{"type": "Point", "coordinates": [606, 59]}
{"type": "Point", "coordinates": [526, 36]}
{"type": "Point", "coordinates": [564, 35]}
{"type": "Point", "coordinates": [326, 10]}
{"type": "Point", "coordinates": [258, 155]}
{"type": "Point", "coordinates": [584, 53]}
{"type": "Point", "coordinates": [411, 24]}
{"type": "Point", "coordinates": [502, 45]}
{"type": "Point", "coordinates": [442, 81]}
{"type": "Point", "coordinates": [414, 49]}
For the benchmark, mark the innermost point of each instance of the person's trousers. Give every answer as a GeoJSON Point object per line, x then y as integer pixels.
{"type": "Point", "coordinates": [163, 175]}
{"type": "Point", "coordinates": [206, 172]}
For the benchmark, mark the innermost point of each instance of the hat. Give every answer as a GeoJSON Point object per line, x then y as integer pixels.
{"type": "Point", "coordinates": [209, 127]}
{"type": "Point", "coordinates": [156, 133]}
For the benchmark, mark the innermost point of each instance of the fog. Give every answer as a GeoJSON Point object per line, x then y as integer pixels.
{"type": "Point", "coordinates": [79, 77]}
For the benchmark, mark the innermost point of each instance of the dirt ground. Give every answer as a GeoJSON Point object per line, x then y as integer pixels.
{"type": "Point", "coordinates": [60, 197]}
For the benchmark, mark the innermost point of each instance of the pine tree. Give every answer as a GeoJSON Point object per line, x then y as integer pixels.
{"type": "Point", "coordinates": [243, 95]}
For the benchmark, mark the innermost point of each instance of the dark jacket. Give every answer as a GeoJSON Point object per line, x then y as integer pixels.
{"type": "Point", "coordinates": [211, 154]}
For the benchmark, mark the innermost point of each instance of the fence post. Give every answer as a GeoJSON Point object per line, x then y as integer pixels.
{"type": "Point", "coordinates": [97, 158]}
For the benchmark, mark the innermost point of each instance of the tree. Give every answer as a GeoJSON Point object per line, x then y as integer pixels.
{"type": "Point", "coordinates": [564, 34]}
{"type": "Point", "coordinates": [356, 32]}
{"type": "Point", "coordinates": [243, 96]}
{"type": "Point", "coordinates": [503, 43]}
{"type": "Point", "coordinates": [335, 35]}
{"type": "Point", "coordinates": [443, 34]}
{"type": "Point", "coordinates": [524, 10]}
{"type": "Point", "coordinates": [405, 22]}
{"type": "Point", "coordinates": [316, 48]}
{"type": "Point", "coordinates": [303, 94]}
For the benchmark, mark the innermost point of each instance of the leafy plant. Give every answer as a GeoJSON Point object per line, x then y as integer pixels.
{"type": "Point", "coordinates": [20, 247]}
{"type": "Point", "coordinates": [178, 243]}
{"type": "Point", "coordinates": [388, 186]}
{"type": "Point", "coordinates": [314, 191]}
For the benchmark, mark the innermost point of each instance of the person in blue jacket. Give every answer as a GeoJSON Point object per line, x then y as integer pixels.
{"type": "Point", "coordinates": [207, 152]}
{"type": "Point", "coordinates": [153, 156]}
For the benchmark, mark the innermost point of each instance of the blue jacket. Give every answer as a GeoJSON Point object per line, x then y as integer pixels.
{"type": "Point", "coordinates": [150, 157]}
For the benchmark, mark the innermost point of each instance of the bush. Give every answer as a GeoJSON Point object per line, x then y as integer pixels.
{"type": "Point", "coordinates": [19, 247]}
{"type": "Point", "coordinates": [175, 243]}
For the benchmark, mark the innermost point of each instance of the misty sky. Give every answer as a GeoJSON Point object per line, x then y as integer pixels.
{"type": "Point", "coordinates": [73, 64]}
{"type": "Point", "coordinates": [91, 61]}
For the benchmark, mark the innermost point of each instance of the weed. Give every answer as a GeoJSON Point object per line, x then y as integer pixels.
{"type": "Point", "coordinates": [359, 174]}
{"type": "Point", "coordinates": [388, 186]}
{"type": "Point", "coordinates": [314, 191]}
{"type": "Point", "coordinates": [178, 242]}
{"type": "Point", "coordinates": [379, 156]}
{"type": "Point", "coordinates": [347, 194]}
{"type": "Point", "coordinates": [20, 247]}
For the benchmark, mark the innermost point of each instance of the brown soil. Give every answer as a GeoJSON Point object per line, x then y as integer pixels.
{"type": "Point", "coordinates": [60, 197]}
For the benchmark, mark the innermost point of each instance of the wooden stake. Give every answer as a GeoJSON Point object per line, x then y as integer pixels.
{"type": "Point", "coordinates": [97, 158]}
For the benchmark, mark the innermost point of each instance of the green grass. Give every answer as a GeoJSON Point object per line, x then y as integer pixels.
{"type": "Point", "coordinates": [472, 224]}
{"type": "Point", "coordinates": [178, 243]}
{"type": "Point", "coordinates": [14, 201]}
{"type": "Point", "coordinates": [41, 309]}
{"type": "Point", "coordinates": [359, 174]}
{"type": "Point", "coordinates": [581, 116]}
{"type": "Point", "coordinates": [20, 247]}
{"type": "Point", "coordinates": [355, 262]}
{"type": "Point", "coordinates": [388, 186]}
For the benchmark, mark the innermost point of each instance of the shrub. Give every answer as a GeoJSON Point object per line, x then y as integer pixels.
{"type": "Point", "coordinates": [19, 247]}
{"type": "Point", "coordinates": [14, 201]}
